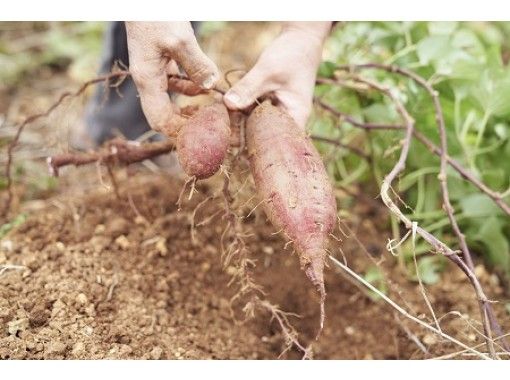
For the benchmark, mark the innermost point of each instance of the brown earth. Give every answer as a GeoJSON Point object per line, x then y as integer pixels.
{"type": "Point", "coordinates": [103, 282]}
{"type": "Point", "coordinates": [100, 281]}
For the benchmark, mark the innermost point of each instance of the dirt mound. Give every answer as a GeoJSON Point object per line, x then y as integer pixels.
{"type": "Point", "coordinates": [113, 278]}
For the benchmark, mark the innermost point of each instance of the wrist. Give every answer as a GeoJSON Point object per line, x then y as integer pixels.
{"type": "Point", "coordinates": [318, 30]}
{"type": "Point", "coordinates": [308, 38]}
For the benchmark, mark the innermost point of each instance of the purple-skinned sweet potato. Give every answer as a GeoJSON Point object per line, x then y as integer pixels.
{"type": "Point", "coordinates": [203, 141]}
{"type": "Point", "coordinates": [291, 180]}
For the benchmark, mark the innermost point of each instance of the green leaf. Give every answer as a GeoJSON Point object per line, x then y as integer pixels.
{"type": "Point", "coordinates": [494, 178]}
{"type": "Point", "coordinates": [490, 33]}
{"type": "Point", "coordinates": [493, 92]}
{"type": "Point", "coordinates": [502, 130]}
{"type": "Point", "coordinates": [323, 126]}
{"type": "Point", "coordinates": [17, 221]}
{"type": "Point", "coordinates": [433, 48]}
{"type": "Point", "coordinates": [500, 102]}
{"type": "Point", "coordinates": [380, 113]}
{"type": "Point", "coordinates": [494, 59]}
{"type": "Point", "coordinates": [442, 27]}
{"type": "Point", "coordinates": [495, 242]}
{"type": "Point", "coordinates": [478, 206]}
{"type": "Point", "coordinates": [465, 70]}
{"type": "Point", "coordinates": [326, 69]}
{"type": "Point", "coordinates": [429, 268]}
{"type": "Point", "coordinates": [468, 40]}
{"type": "Point", "coordinates": [374, 276]}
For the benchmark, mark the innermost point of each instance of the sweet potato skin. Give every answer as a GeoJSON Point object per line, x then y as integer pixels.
{"type": "Point", "coordinates": [290, 176]}
{"type": "Point", "coordinates": [203, 141]}
{"type": "Point", "coordinates": [184, 86]}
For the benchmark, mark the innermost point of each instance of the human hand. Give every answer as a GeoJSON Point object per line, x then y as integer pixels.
{"type": "Point", "coordinates": [287, 68]}
{"type": "Point", "coordinates": [155, 50]}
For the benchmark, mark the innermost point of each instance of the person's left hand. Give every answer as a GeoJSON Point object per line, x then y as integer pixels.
{"type": "Point", "coordinates": [155, 49]}
{"type": "Point", "coordinates": [287, 68]}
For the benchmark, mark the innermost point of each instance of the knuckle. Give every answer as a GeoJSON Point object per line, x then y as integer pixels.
{"type": "Point", "coordinates": [277, 76]}
{"type": "Point", "coordinates": [178, 43]}
{"type": "Point", "coordinates": [199, 72]}
{"type": "Point", "coordinates": [269, 73]}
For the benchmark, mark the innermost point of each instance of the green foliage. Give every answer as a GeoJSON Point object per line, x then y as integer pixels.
{"type": "Point", "coordinates": [74, 46]}
{"type": "Point", "coordinates": [208, 28]}
{"type": "Point", "coordinates": [375, 276]}
{"type": "Point", "coordinates": [465, 64]}
{"type": "Point", "coordinates": [429, 268]}
{"type": "Point", "coordinates": [420, 265]}
{"type": "Point", "coordinates": [16, 222]}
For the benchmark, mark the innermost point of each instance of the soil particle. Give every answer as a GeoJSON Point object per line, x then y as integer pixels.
{"type": "Point", "coordinates": [156, 353]}
{"type": "Point", "coordinates": [101, 285]}
{"type": "Point", "coordinates": [16, 326]}
{"type": "Point", "coordinates": [55, 348]}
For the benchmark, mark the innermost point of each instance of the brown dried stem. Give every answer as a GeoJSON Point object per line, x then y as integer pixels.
{"type": "Point", "coordinates": [123, 152]}
{"type": "Point", "coordinates": [441, 247]}
{"type": "Point", "coordinates": [10, 149]}
{"type": "Point", "coordinates": [115, 152]}
{"type": "Point", "coordinates": [465, 173]}
{"type": "Point", "coordinates": [486, 310]}
{"type": "Point", "coordinates": [176, 83]}
{"type": "Point", "coordinates": [340, 144]}
{"type": "Point", "coordinates": [487, 314]}
{"type": "Point", "coordinates": [496, 196]}
{"type": "Point", "coordinates": [447, 206]}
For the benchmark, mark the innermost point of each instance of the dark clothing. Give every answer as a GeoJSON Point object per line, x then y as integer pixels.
{"type": "Point", "coordinates": [119, 113]}
{"type": "Point", "coordinates": [114, 114]}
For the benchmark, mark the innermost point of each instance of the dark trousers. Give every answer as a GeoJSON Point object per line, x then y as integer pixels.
{"type": "Point", "coordinates": [113, 113]}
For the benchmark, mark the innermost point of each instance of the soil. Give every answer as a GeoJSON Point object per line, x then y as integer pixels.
{"type": "Point", "coordinates": [104, 276]}
{"type": "Point", "coordinates": [104, 279]}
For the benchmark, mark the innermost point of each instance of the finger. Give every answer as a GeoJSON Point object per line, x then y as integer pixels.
{"type": "Point", "coordinates": [300, 115]}
{"type": "Point", "coordinates": [172, 68]}
{"type": "Point", "coordinates": [199, 67]}
{"type": "Point", "coordinates": [245, 92]}
{"type": "Point", "coordinates": [151, 82]}
{"type": "Point", "coordinates": [297, 107]}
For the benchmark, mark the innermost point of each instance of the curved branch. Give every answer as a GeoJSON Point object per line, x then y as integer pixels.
{"type": "Point", "coordinates": [176, 83]}
{"type": "Point", "coordinates": [439, 246]}
{"type": "Point", "coordinates": [496, 196]}
{"type": "Point", "coordinates": [116, 152]}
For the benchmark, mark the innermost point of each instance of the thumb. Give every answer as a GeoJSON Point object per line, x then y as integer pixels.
{"type": "Point", "coordinates": [297, 105]}
{"type": "Point", "coordinates": [244, 93]}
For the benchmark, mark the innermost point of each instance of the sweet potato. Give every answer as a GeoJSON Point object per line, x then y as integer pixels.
{"type": "Point", "coordinates": [184, 86]}
{"type": "Point", "coordinates": [203, 141]}
{"type": "Point", "coordinates": [290, 177]}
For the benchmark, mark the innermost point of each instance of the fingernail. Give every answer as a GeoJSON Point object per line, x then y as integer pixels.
{"type": "Point", "coordinates": [233, 98]}
{"type": "Point", "coordinates": [209, 82]}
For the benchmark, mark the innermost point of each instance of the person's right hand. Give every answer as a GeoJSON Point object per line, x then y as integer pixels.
{"type": "Point", "coordinates": [286, 68]}
{"type": "Point", "coordinates": [154, 50]}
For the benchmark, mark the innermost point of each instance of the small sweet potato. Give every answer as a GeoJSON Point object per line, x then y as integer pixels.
{"type": "Point", "coordinates": [184, 86]}
{"type": "Point", "coordinates": [290, 176]}
{"type": "Point", "coordinates": [203, 141]}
